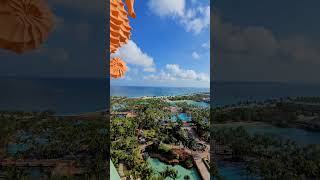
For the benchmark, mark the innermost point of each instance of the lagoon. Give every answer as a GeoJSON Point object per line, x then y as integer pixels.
{"type": "Point", "coordinates": [192, 103]}
{"type": "Point", "coordinates": [195, 103]}
{"type": "Point", "coordinates": [160, 166]}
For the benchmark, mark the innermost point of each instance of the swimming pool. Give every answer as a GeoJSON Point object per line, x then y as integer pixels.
{"type": "Point", "coordinates": [182, 116]}
{"type": "Point", "coordinates": [182, 172]}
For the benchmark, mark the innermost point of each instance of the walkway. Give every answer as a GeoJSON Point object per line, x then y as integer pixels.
{"type": "Point", "coordinates": [197, 157]}
{"type": "Point", "coordinates": [202, 169]}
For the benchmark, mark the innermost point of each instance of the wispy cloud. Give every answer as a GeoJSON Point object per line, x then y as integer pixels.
{"type": "Point", "coordinates": [173, 72]}
{"type": "Point", "coordinates": [194, 19]}
{"type": "Point", "coordinates": [167, 7]}
{"type": "Point", "coordinates": [206, 45]}
{"type": "Point", "coordinates": [195, 55]}
{"type": "Point", "coordinates": [197, 21]}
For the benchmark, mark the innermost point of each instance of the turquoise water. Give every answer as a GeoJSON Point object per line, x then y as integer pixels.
{"type": "Point", "coordinates": [136, 91]}
{"type": "Point", "coordinates": [160, 166]}
{"type": "Point", "coordinates": [195, 103]}
{"type": "Point", "coordinates": [118, 107]}
{"type": "Point", "coordinates": [190, 102]}
{"type": "Point", "coordinates": [201, 104]}
{"type": "Point", "coordinates": [182, 116]}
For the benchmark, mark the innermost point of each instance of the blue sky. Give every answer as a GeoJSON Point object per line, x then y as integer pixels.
{"type": "Point", "coordinates": [169, 44]}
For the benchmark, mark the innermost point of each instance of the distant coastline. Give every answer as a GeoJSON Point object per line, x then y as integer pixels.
{"type": "Point", "coordinates": [141, 91]}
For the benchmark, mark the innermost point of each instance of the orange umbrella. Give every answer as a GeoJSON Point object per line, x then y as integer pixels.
{"type": "Point", "coordinates": [120, 32]}
{"type": "Point", "coordinates": [25, 24]}
{"type": "Point", "coordinates": [117, 68]}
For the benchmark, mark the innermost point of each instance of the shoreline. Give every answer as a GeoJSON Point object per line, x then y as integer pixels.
{"type": "Point", "coordinates": [161, 96]}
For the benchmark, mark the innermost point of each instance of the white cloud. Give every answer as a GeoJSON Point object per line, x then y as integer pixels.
{"type": "Point", "coordinates": [206, 45]}
{"type": "Point", "coordinates": [190, 13]}
{"type": "Point", "coordinates": [150, 69]}
{"type": "Point", "coordinates": [132, 54]}
{"type": "Point", "coordinates": [167, 7]}
{"type": "Point", "coordinates": [198, 22]}
{"type": "Point", "coordinates": [173, 72]}
{"type": "Point", "coordinates": [193, 19]}
{"type": "Point", "coordinates": [195, 55]}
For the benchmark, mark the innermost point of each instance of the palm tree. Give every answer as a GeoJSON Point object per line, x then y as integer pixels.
{"type": "Point", "coordinates": [169, 172]}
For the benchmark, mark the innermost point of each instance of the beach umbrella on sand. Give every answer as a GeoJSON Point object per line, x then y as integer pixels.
{"type": "Point", "coordinates": [117, 68]}
{"type": "Point", "coordinates": [25, 24]}
{"type": "Point", "coordinates": [120, 32]}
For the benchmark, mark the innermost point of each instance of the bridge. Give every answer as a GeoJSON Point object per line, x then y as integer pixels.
{"type": "Point", "coordinates": [202, 168]}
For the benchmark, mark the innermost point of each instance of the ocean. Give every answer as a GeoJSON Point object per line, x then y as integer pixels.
{"type": "Point", "coordinates": [138, 91]}
{"type": "Point", "coordinates": [79, 95]}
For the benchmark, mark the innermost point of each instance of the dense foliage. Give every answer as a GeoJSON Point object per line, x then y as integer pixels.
{"type": "Point", "coordinates": [269, 157]}
{"type": "Point", "coordinates": [152, 117]}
